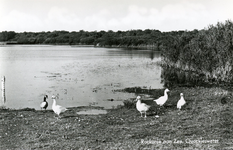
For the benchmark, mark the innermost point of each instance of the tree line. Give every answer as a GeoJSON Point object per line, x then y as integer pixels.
{"type": "Point", "coordinates": [208, 52]}
{"type": "Point", "coordinates": [131, 38]}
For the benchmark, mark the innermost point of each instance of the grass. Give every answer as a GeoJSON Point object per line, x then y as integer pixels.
{"type": "Point", "coordinates": [203, 119]}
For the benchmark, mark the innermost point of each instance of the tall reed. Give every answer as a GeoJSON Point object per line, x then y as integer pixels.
{"type": "Point", "coordinates": [208, 51]}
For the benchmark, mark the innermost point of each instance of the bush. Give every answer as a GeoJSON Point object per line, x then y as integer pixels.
{"type": "Point", "coordinates": [129, 104]}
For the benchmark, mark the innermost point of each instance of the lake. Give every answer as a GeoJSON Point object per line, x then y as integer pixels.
{"type": "Point", "coordinates": [78, 76]}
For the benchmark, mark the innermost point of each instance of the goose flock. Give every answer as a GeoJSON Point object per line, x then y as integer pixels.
{"type": "Point", "coordinates": [143, 107]}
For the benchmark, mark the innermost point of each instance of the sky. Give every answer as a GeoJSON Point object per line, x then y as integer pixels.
{"type": "Point", "coordinates": [97, 15]}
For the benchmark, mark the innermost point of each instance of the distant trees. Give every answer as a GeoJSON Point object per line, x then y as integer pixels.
{"type": "Point", "coordinates": [208, 51]}
{"type": "Point", "coordinates": [131, 38]}
{"type": "Point", "coordinates": [7, 35]}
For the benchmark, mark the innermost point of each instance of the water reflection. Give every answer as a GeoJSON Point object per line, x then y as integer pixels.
{"type": "Point", "coordinates": [132, 53]}
{"type": "Point", "coordinates": [78, 75]}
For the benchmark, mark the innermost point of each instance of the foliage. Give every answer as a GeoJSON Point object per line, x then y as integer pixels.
{"type": "Point", "coordinates": [110, 38]}
{"type": "Point", "coordinates": [6, 36]}
{"type": "Point", "coordinates": [129, 104]}
{"type": "Point", "coordinates": [208, 51]}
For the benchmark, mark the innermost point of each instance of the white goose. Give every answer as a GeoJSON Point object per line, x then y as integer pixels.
{"type": "Point", "coordinates": [141, 107]}
{"type": "Point", "coordinates": [44, 104]}
{"type": "Point", "coordinates": [181, 102]}
{"type": "Point", "coordinates": [57, 108]}
{"type": "Point", "coordinates": [161, 100]}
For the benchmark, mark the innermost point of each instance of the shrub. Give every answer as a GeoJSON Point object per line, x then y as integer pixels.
{"type": "Point", "coordinates": [129, 104]}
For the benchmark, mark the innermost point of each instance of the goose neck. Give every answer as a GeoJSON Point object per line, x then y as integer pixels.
{"type": "Point", "coordinates": [54, 102]}
{"type": "Point", "coordinates": [182, 98]}
{"type": "Point", "coordinates": [139, 101]}
{"type": "Point", "coordinates": [165, 93]}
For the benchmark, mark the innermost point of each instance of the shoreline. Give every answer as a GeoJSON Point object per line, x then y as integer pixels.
{"type": "Point", "coordinates": [148, 47]}
{"type": "Point", "coordinates": [204, 119]}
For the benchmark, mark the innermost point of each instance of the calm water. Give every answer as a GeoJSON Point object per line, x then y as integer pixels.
{"type": "Point", "coordinates": [79, 76]}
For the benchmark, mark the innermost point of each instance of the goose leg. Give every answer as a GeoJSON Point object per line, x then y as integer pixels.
{"type": "Point", "coordinates": [141, 114]}
{"type": "Point", "coordinates": [58, 117]}
{"type": "Point", "coordinates": [145, 114]}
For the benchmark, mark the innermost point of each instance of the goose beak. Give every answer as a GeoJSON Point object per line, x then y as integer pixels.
{"type": "Point", "coordinates": [167, 90]}
{"type": "Point", "coordinates": [138, 97]}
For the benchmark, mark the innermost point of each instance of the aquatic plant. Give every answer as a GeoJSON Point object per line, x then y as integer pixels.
{"type": "Point", "coordinates": [129, 103]}
{"type": "Point", "coordinates": [206, 52]}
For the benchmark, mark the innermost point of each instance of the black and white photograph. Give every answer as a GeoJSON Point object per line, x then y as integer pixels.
{"type": "Point", "coordinates": [116, 74]}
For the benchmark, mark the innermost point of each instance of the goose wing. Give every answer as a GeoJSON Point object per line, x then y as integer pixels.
{"type": "Point", "coordinates": [61, 108]}
{"type": "Point", "coordinates": [43, 104]}
{"type": "Point", "coordinates": [143, 107]}
{"type": "Point", "coordinates": [159, 99]}
{"type": "Point", "coordinates": [179, 104]}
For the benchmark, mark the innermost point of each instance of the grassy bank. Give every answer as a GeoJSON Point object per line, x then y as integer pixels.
{"type": "Point", "coordinates": [204, 123]}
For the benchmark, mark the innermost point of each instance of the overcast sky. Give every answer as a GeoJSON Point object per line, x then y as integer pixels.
{"type": "Point", "coordinates": [96, 15]}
